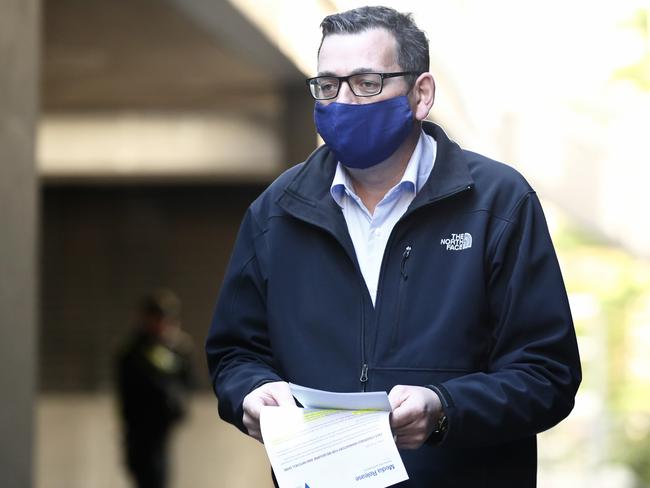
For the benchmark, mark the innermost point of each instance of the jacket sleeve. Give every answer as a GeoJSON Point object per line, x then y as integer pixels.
{"type": "Point", "coordinates": [237, 346]}
{"type": "Point", "coordinates": [533, 369]}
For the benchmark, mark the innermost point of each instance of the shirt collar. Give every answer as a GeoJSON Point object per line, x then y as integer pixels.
{"type": "Point", "coordinates": [341, 185]}
{"type": "Point", "coordinates": [417, 171]}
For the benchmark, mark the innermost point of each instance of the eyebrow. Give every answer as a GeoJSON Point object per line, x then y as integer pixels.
{"type": "Point", "coordinates": [353, 72]}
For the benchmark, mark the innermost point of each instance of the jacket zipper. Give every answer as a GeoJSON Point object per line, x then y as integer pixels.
{"type": "Point", "coordinates": [405, 255]}
{"type": "Point", "coordinates": [400, 293]}
{"type": "Point", "coordinates": [364, 375]}
{"type": "Point", "coordinates": [364, 367]}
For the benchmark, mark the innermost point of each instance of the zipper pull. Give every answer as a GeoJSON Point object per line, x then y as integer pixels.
{"type": "Point", "coordinates": [364, 373]}
{"type": "Point", "coordinates": [405, 256]}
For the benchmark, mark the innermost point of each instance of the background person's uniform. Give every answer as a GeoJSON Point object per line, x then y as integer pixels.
{"type": "Point", "coordinates": [154, 378]}
{"type": "Point", "coordinates": [469, 299]}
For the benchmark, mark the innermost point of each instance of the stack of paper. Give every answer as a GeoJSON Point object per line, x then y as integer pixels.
{"type": "Point", "coordinates": [338, 440]}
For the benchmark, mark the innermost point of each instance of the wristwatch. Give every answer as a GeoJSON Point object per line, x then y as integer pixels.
{"type": "Point", "coordinates": [441, 425]}
{"type": "Point", "coordinates": [439, 431]}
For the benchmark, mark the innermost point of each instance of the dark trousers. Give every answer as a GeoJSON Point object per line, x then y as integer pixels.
{"type": "Point", "coordinates": [147, 460]}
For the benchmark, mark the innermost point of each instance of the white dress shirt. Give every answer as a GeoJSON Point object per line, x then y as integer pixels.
{"type": "Point", "coordinates": [370, 232]}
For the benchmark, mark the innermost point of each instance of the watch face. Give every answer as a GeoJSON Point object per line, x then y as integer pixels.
{"type": "Point", "coordinates": [442, 424]}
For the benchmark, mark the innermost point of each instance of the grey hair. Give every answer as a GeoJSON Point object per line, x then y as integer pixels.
{"type": "Point", "coordinates": [412, 43]}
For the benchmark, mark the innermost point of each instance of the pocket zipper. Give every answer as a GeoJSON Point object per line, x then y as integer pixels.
{"type": "Point", "coordinates": [404, 276]}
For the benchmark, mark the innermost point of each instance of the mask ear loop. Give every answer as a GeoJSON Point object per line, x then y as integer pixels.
{"type": "Point", "coordinates": [419, 122]}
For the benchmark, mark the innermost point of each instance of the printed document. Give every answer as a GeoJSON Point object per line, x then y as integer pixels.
{"type": "Point", "coordinates": [338, 440]}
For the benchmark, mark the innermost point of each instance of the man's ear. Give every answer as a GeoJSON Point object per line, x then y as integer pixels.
{"type": "Point", "coordinates": [423, 95]}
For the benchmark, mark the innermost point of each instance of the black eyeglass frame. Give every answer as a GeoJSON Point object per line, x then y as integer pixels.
{"type": "Point", "coordinates": [341, 79]}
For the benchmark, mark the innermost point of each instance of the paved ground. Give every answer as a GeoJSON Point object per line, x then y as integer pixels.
{"type": "Point", "coordinates": [78, 446]}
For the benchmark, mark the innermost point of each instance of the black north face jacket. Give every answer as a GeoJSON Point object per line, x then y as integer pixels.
{"type": "Point", "coordinates": [470, 299]}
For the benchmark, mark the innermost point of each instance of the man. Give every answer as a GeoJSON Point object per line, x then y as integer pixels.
{"type": "Point", "coordinates": [154, 378]}
{"type": "Point", "coordinates": [393, 260]}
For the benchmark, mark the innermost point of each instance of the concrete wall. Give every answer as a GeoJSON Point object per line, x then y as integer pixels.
{"type": "Point", "coordinates": [103, 246]}
{"type": "Point", "coordinates": [79, 447]}
{"type": "Point", "coordinates": [19, 21]}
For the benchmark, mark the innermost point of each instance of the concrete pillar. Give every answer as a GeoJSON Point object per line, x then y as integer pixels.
{"type": "Point", "coordinates": [19, 42]}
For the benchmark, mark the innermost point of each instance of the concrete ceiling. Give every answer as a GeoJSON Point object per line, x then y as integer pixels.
{"type": "Point", "coordinates": [154, 54]}
{"type": "Point", "coordinates": [165, 89]}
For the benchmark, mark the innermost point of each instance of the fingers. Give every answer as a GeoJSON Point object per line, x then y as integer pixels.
{"type": "Point", "coordinates": [405, 409]}
{"type": "Point", "coordinates": [397, 395]}
{"type": "Point", "coordinates": [252, 407]}
{"type": "Point", "coordinates": [415, 412]}
{"type": "Point", "coordinates": [276, 393]}
{"type": "Point", "coordinates": [412, 436]}
{"type": "Point", "coordinates": [410, 442]}
{"type": "Point", "coordinates": [403, 417]}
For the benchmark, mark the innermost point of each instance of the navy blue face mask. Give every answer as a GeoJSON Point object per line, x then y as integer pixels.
{"type": "Point", "coordinates": [363, 135]}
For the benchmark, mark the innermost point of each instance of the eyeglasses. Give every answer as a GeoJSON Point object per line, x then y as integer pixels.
{"type": "Point", "coordinates": [361, 84]}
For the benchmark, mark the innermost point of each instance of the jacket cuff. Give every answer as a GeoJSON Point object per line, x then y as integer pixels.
{"type": "Point", "coordinates": [231, 402]}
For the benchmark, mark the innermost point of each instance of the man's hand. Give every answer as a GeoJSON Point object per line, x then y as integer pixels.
{"type": "Point", "coordinates": [415, 413]}
{"type": "Point", "coordinates": [276, 393]}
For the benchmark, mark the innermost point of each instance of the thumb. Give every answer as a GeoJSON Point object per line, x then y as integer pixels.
{"type": "Point", "coordinates": [282, 395]}
{"type": "Point", "coordinates": [397, 396]}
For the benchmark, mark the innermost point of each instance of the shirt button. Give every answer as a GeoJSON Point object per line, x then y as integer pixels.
{"type": "Point", "coordinates": [376, 233]}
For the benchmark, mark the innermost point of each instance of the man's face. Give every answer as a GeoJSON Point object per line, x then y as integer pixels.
{"type": "Point", "coordinates": [373, 50]}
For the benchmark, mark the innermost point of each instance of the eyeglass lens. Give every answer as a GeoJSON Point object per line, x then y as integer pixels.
{"type": "Point", "coordinates": [362, 85]}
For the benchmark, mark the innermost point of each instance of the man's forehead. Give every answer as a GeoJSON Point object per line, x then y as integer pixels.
{"type": "Point", "coordinates": [369, 50]}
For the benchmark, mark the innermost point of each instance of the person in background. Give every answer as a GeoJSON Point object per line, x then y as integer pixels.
{"type": "Point", "coordinates": [392, 259]}
{"type": "Point", "coordinates": [154, 381]}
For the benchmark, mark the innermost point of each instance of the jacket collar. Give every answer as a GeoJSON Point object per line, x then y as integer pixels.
{"type": "Point", "coordinates": [450, 172]}
{"type": "Point", "coordinates": [307, 196]}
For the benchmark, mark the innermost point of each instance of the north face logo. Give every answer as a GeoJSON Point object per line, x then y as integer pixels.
{"type": "Point", "coordinates": [457, 242]}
